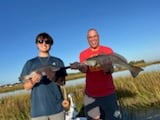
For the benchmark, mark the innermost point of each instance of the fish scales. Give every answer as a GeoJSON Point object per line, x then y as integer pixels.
{"type": "Point", "coordinates": [117, 60]}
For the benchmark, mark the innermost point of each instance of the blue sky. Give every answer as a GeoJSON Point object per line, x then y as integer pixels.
{"type": "Point", "coordinates": [130, 27]}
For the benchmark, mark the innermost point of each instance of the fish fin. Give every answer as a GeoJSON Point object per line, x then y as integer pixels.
{"type": "Point", "coordinates": [102, 53]}
{"type": "Point", "coordinates": [134, 70]}
{"type": "Point", "coordinates": [120, 57]}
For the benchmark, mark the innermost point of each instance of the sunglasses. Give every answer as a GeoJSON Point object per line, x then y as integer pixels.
{"type": "Point", "coordinates": [44, 41]}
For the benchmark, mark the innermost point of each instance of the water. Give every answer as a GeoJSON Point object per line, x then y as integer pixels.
{"type": "Point", "coordinates": [155, 67]}
{"type": "Point", "coordinates": [150, 68]}
{"type": "Point", "coordinates": [13, 93]}
{"type": "Point", "coordinates": [147, 114]}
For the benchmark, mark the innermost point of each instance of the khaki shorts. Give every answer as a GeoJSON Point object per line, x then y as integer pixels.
{"type": "Point", "coordinates": [94, 111]}
{"type": "Point", "coordinates": [58, 116]}
{"type": "Point", "coordinates": [102, 107]}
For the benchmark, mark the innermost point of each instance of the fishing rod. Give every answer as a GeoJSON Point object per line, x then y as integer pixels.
{"type": "Point", "coordinates": [66, 67]}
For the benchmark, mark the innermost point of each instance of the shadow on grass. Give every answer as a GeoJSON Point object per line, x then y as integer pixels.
{"type": "Point", "coordinates": [124, 93]}
{"type": "Point", "coordinates": [81, 112]}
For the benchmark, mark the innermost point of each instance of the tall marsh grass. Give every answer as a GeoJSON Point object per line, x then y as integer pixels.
{"type": "Point", "coordinates": [143, 91]}
{"type": "Point", "coordinates": [15, 107]}
{"type": "Point", "coordinates": [140, 92]}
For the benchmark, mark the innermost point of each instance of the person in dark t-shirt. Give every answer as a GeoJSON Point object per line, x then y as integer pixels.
{"type": "Point", "coordinates": [46, 96]}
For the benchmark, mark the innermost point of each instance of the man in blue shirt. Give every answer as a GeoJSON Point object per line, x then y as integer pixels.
{"type": "Point", "coordinates": [46, 96]}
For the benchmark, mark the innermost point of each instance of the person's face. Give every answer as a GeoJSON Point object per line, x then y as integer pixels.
{"type": "Point", "coordinates": [43, 45]}
{"type": "Point", "coordinates": [93, 39]}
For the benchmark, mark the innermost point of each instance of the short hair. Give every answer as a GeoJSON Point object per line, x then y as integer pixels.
{"type": "Point", "coordinates": [91, 30]}
{"type": "Point", "coordinates": [44, 36]}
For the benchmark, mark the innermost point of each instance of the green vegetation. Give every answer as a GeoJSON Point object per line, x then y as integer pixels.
{"type": "Point", "coordinates": [15, 108]}
{"type": "Point", "coordinates": [73, 76]}
{"type": "Point", "coordinates": [8, 89]}
{"type": "Point", "coordinates": [140, 92]}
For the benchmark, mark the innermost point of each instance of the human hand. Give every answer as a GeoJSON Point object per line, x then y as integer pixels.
{"type": "Point", "coordinates": [75, 65]}
{"type": "Point", "coordinates": [66, 104]}
{"type": "Point", "coordinates": [35, 77]}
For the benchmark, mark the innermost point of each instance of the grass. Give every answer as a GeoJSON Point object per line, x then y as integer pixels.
{"type": "Point", "coordinates": [15, 107]}
{"type": "Point", "coordinates": [8, 89]}
{"type": "Point", "coordinates": [136, 93]}
{"type": "Point", "coordinates": [143, 91]}
{"type": "Point", "coordinates": [73, 76]}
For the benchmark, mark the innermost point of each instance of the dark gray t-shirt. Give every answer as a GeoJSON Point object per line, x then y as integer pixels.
{"type": "Point", "coordinates": [46, 97]}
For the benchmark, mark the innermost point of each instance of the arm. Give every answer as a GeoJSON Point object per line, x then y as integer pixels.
{"type": "Point", "coordinates": [83, 68]}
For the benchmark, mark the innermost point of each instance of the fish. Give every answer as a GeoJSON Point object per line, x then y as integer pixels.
{"type": "Point", "coordinates": [111, 61]}
{"type": "Point", "coordinates": [42, 71]}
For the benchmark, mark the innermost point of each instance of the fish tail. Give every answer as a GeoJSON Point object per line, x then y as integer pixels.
{"type": "Point", "coordinates": [134, 70]}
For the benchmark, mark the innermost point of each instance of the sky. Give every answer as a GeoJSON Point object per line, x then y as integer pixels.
{"type": "Point", "coordinates": [130, 27]}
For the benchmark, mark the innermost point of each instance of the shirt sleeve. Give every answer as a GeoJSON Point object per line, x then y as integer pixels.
{"type": "Point", "coordinates": [25, 70]}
